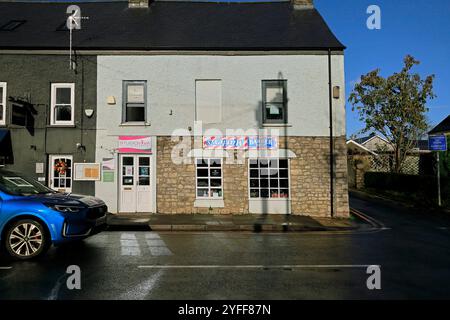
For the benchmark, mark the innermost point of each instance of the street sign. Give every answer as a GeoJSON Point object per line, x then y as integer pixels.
{"type": "Point", "coordinates": [437, 143]}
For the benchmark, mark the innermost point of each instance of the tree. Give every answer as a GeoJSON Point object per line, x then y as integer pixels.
{"type": "Point", "coordinates": [394, 107]}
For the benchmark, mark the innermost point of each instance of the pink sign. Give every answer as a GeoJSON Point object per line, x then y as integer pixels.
{"type": "Point", "coordinates": [135, 144]}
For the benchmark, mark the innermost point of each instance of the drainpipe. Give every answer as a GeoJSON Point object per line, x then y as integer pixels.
{"type": "Point", "coordinates": [330, 98]}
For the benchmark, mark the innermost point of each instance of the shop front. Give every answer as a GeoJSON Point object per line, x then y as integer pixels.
{"type": "Point", "coordinates": [128, 183]}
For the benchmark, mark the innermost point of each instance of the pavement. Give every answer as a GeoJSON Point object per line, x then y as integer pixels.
{"type": "Point", "coordinates": [247, 222]}
{"type": "Point", "coordinates": [411, 248]}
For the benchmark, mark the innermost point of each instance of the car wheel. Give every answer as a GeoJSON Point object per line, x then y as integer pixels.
{"type": "Point", "coordinates": [26, 239]}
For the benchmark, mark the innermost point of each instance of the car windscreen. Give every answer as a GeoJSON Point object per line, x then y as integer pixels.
{"type": "Point", "coordinates": [16, 184]}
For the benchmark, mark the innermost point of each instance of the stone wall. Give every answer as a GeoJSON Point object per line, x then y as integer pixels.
{"type": "Point", "coordinates": [310, 180]}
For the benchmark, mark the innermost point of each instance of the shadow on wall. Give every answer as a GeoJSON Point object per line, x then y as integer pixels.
{"type": "Point", "coordinates": [272, 108]}
{"type": "Point", "coordinates": [23, 113]}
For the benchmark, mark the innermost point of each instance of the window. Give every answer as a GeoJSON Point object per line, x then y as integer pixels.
{"type": "Point", "coordinates": [134, 101]}
{"type": "Point", "coordinates": [2, 103]}
{"type": "Point", "coordinates": [269, 178]}
{"type": "Point", "coordinates": [274, 101]}
{"type": "Point", "coordinates": [209, 178]}
{"type": "Point", "coordinates": [208, 101]}
{"type": "Point", "coordinates": [12, 25]}
{"type": "Point", "coordinates": [61, 173]}
{"type": "Point", "coordinates": [62, 104]}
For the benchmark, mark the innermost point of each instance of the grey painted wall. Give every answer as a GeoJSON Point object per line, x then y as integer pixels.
{"type": "Point", "coordinates": [29, 77]}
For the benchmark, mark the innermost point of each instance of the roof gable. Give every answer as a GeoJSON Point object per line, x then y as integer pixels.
{"type": "Point", "coordinates": [443, 127]}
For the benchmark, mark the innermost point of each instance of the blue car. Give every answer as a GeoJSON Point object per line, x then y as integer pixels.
{"type": "Point", "coordinates": [33, 216]}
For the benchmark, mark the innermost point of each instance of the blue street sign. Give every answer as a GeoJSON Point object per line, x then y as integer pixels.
{"type": "Point", "coordinates": [437, 143]}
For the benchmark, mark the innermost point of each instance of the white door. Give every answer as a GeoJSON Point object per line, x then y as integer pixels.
{"type": "Point", "coordinates": [135, 190]}
{"type": "Point", "coordinates": [61, 173]}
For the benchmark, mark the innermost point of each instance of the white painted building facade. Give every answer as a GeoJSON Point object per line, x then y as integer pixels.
{"type": "Point", "coordinates": [171, 103]}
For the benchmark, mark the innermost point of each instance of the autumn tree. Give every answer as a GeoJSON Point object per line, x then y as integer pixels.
{"type": "Point", "coordinates": [394, 107]}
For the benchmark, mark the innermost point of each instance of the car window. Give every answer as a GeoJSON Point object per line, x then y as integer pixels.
{"type": "Point", "coordinates": [16, 184]}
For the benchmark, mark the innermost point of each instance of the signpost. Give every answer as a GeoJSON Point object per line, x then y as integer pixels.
{"type": "Point", "coordinates": [438, 143]}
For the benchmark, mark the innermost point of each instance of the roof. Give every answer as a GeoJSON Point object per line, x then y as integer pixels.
{"type": "Point", "coordinates": [420, 145]}
{"type": "Point", "coordinates": [443, 127]}
{"type": "Point", "coordinates": [353, 145]}
{"type": "Point", "coordinates": [364, 140]}
{"type": "Point", "coordinates": [168, 25]}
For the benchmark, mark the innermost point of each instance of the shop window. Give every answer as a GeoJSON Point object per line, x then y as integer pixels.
{"type": "Point", "coordinates": [62, 104]}
{"type": "Point", "coordinates": [274, 101]}
{"type": "Point", "coordinates": [269, 178]}
{"type": "Point", "coordinates": [209, 179]}
{"type": "Point", "coordinates": [134, 101]}
{"type": "Point", "coordinates": [2, 103]}
{"type": "Point", "coordinates": [208, 101]}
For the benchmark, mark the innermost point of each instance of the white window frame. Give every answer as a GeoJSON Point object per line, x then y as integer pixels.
{"type": "Point", "coordinates": [53, 120]}
{"type": "Point", "coordinates": [209, 178]}
{"type": "Point", "coordinates": [4, 86]}
{"type": "Point", "coordinates": [259, 188]}
{"type": "Point", "coordinates": [51, 176]}
{"type": "Point", "coordinates": [126, 104]}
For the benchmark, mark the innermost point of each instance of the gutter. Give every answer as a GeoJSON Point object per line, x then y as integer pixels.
{"type": "Point", "coordinates": [330, 100]}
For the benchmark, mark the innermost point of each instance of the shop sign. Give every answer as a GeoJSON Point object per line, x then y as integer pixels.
{"type": "Point", "coordinates": [241, 142]}
{"type": "Point", "coordinates": [135, 144]}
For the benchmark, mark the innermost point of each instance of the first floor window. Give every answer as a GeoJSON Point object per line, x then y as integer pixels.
{"type": "Point", "coordinates": [269, 178]}
{"type": "Point", "coordinates": [274, 101]}
{"type": "Point", "coordinates": [134, 101]}
{"type": "Point", "coordinates": [2, 103]}
{"type": "Point", "coordinates": [62, 104]}
{"type": "Point", "coordinates": [209, 178]}
{"type": "Point", "coordinates": [208, 101]}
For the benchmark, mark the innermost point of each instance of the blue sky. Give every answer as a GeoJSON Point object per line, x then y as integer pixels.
{"type": "Point", "coordinates": [417, 27]}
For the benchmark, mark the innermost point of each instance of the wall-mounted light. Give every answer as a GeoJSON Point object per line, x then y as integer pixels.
{"type": "Point", "coordinates": [81, 147]}
{"type": "Point", "coordinates": [111, 100]}
{"type": "Point", "coordinates": [89, 112]}
{"type": "Point", "coordinates": [336, 92]}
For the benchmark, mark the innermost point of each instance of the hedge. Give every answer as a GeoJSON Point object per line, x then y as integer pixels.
{"type": "Point", "coordinates": [421, 186]}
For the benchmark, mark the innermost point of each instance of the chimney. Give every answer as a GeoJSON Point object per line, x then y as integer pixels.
{"type": "Point", "coordinates": [137, 3]}
{"type": "Point", "coordinates": [302, 4]}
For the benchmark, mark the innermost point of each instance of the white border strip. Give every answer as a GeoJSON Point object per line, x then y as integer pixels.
{"type": "Point", "coordinates": [256, 266]}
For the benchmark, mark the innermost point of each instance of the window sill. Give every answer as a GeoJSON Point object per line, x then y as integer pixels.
{"type": "Point", "coordinates": [135, 124]}
{"type": "Point", "coordinates": [269, 199]}
{"type": "Point", "coordinates": [207, 203]}
{"type": "Point", "coordinates": [277, 125]}
{"type": "Point", "coordinates": [61, 126]}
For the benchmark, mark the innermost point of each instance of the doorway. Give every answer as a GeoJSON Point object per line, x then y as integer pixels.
{"type": "Point", "coordinates": [135, 194]}
{"type": "Point", "coordinates": [61, 173]}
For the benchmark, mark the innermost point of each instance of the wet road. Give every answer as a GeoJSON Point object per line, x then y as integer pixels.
{"type": "Point", "coordinates": [413, 252]}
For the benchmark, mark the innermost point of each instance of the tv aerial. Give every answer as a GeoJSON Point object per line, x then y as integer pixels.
{"type": "Point", "coordinates": [73, 23]}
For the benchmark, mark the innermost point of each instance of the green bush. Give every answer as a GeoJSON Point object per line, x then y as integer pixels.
{"type": "Point", "coordinates": [418, 188]}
